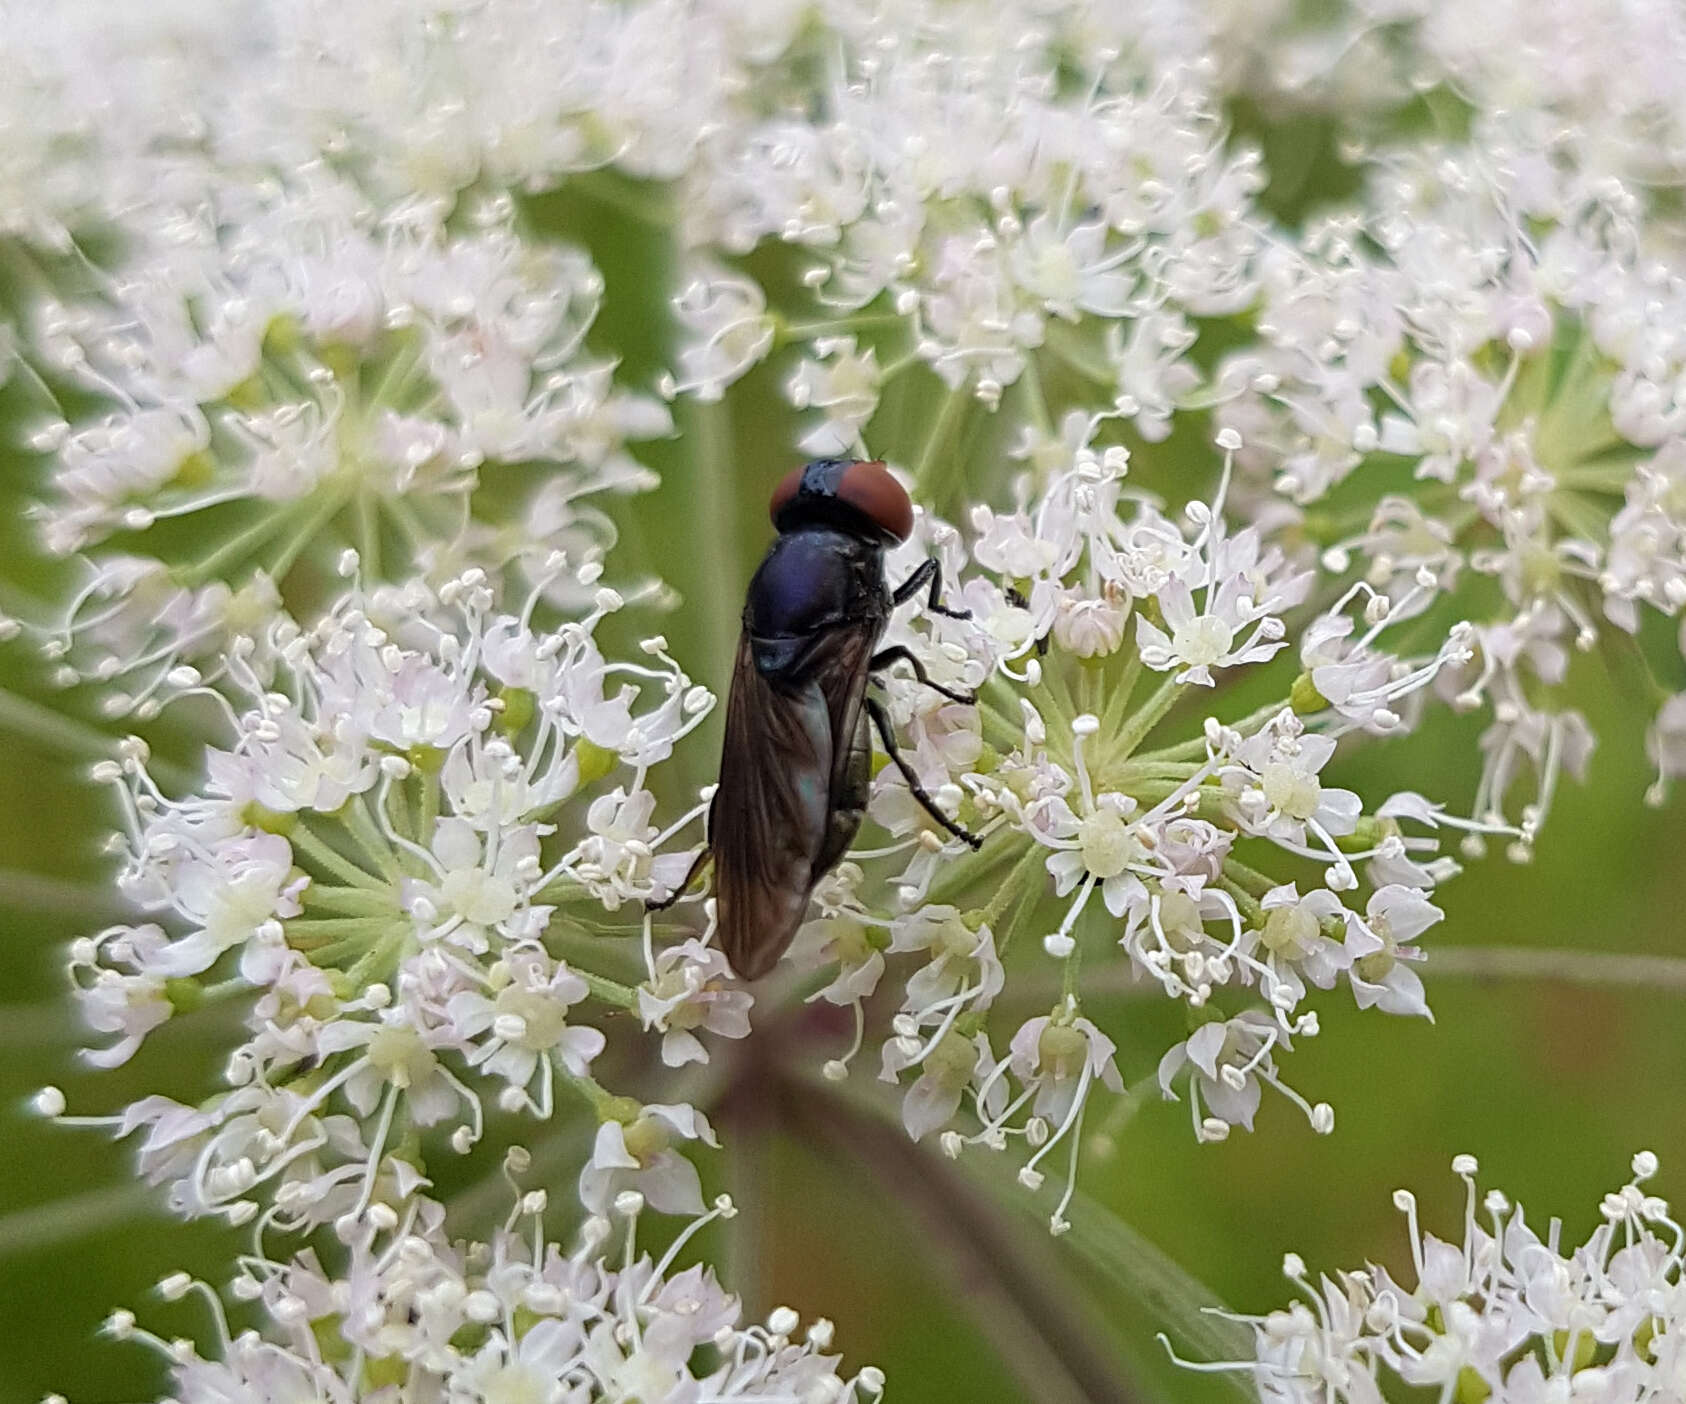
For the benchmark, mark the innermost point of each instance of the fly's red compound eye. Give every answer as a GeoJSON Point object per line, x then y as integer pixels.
{"type": "Point", "coordinates": [870, 490]}
{"type": "Point", "coordinates": [867, 487]}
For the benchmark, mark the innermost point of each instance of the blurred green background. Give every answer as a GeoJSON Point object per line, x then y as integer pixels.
{"type": "Point", "coordinates": [1552, 1083]}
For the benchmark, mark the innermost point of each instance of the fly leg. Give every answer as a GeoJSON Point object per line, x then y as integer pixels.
{"type": "Point", "coordinates": [881, 721]}
{"type": "Point", "coordinates": [679, 891]}
{"type": "Point", "coordinates": [898, 654]}
{"type": "Point", "coordinates": [929, 573]}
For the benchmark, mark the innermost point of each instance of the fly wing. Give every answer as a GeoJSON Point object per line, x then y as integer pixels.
{"type": "Point", "coordinates": [770, 825]}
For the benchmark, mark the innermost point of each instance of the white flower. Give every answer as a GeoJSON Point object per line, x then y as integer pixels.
{"type": "Point", "coordinates": [640, 1156]}
{"type": "Point", "coordinates": [519, 1027]}
{"type": "Point", "coordinates": [689, 989]}
{"type": "Point", "coordinates": [1380, 945]}
{"type": "Point", "coordinates": [1059, 1058]}
{"type": "Point", "coordinates": [948, 1064]}
{"type": "Point", "coordinates": [1212, 635]}
{"type": "Point", "coordinates": [1497, 1311]}
{"type": "Point", "coordinates": [728, 329]}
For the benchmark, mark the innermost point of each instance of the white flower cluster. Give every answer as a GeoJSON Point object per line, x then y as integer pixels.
{"type": "Point", "coordinates": [1502, 1315]}
{"type": "Point", "coordinates": [382, 852]}
{"type": "Point", "coordinates": [1093, 618]}
{"type": "Point", "coordinates": [286, 305]}
{"type": "Point", "coordinates": [1585, 85]}
{"type": "Point", "coordinates": [413, 1315]}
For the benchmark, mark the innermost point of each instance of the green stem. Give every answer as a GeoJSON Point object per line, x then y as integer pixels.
{"type": "Point", "coordinates": [361, 825]}
{"type": "Point", "coordinates": [1136, 771]}
{"type": "Point", "coordinates": [375, 960]}
{"type": "Point", "coordinates": [864, 321]}
{"type": "Point", "coordinates": [954, 878]}
{"type": "Point", "coordinates": [607, 990]}
{"type": "Point", "coordinates": [1119, 694]}
{"type": "Point", "coordinates": [53, 730]}
{"type": "Point", "coordinates": [308, 842]}
{"type": "Point", "coordinates": [927, 474]}
{"type": "Point", "coordinates": [1027, 863]}
{"type": "Point", "coordinates": [429, 806]}
{"type": "Point", "coordinates": [622, 195]}
{"type": "Point", "coordinates": [72, 1218]}
{"type": "Point", "coordinates": [238, 546]}
{"type": "Point", "coordinates": [368, 533]}
{"type": "Point", "coordinates": [1571, 967]}
{"type": "Point", "coordinates": [1251, 879]}
{"type": "Point", "coordinates": [598, 1097]}
{"type": "Point", "coordinates": [351, 901]}
{"type": "Point", "coordinates": [1035, 401]}
{"type": "Point", "coordinates": [1137, 726]}
{"type": "Point", "coordinates": [714, 501]}
{"type": "Point", "coordinates": [24, 891]}
{"type": "Point", "coordinates": [1061, 344]}
{"type": "Point", "coordinates": [1188, 750]}
{"type": "Point", "coordinates": [331, 503]}
{"type": "Point", "coordinates": [313, 933]}
{"type": "Point", "coordinates": [1244, 900]}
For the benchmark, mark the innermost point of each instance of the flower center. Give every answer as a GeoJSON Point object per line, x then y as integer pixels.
{"type": "Point", "coordinates": [1288, 931]}
{"type": "Point", "coordinates": [1179, 919]}
{"type": "Point", "coordinates": [1288, 790]}
{"type": "Point", "coordinates": [951, 1062]}
{"type": "Point", "coordinates": [400, 1056]}
{"type": "Point", "coordinates": [543, 1020]}
{"type": "Point", "coordinates": [1203, 639]}
{"type": "Point", "coordinates": [1106, 843]}
{"type": "Point", "coordinates": [1060, 1050]}
{"type": "Point", "coordinates": [478, 896]}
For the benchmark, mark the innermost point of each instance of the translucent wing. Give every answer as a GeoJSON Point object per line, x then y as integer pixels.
{"type": "Point", "coordinates": [775, 825]}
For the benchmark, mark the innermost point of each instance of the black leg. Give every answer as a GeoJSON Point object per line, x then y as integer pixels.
{"type": "Point", "coordinates": [1016, 596]}
{"type": "Point", "coordinates": [678, 892]}
{"type": "Point", "coordinates": [898, 654]}
{"type": "Point", "coordinates": [931, 573]}
{"type": "Point", "coordinates": [876, 711]}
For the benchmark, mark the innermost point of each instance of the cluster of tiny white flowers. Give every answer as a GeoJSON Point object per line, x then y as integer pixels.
{"type": "Point", "coordinates": [398, 823]}
{"type": "Point", "coordinates": [286, 306]}
{"type": "Point", "coordinates": [1500, 1316]}
{"type": "Point", "coordinates": [413, 1314]}
{"type": "Point", "coordinates": [1097, 625]}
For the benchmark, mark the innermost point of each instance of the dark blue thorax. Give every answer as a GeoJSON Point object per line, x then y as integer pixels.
{"type": "Point", "coordinates": [812, 579]}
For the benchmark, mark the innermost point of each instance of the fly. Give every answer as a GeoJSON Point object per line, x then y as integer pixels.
{"type": "Point", "coordinates": [796, 767]}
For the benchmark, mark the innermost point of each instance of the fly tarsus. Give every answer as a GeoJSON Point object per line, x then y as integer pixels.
{"type": "Point", "coordinates": [881, 722]}
{"type": "Point", "coordinates": [897, 653]}
{"type": "Point", "coordinates": [929, 573]}
{"type": "Point", "coordinates": [684, 883]}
